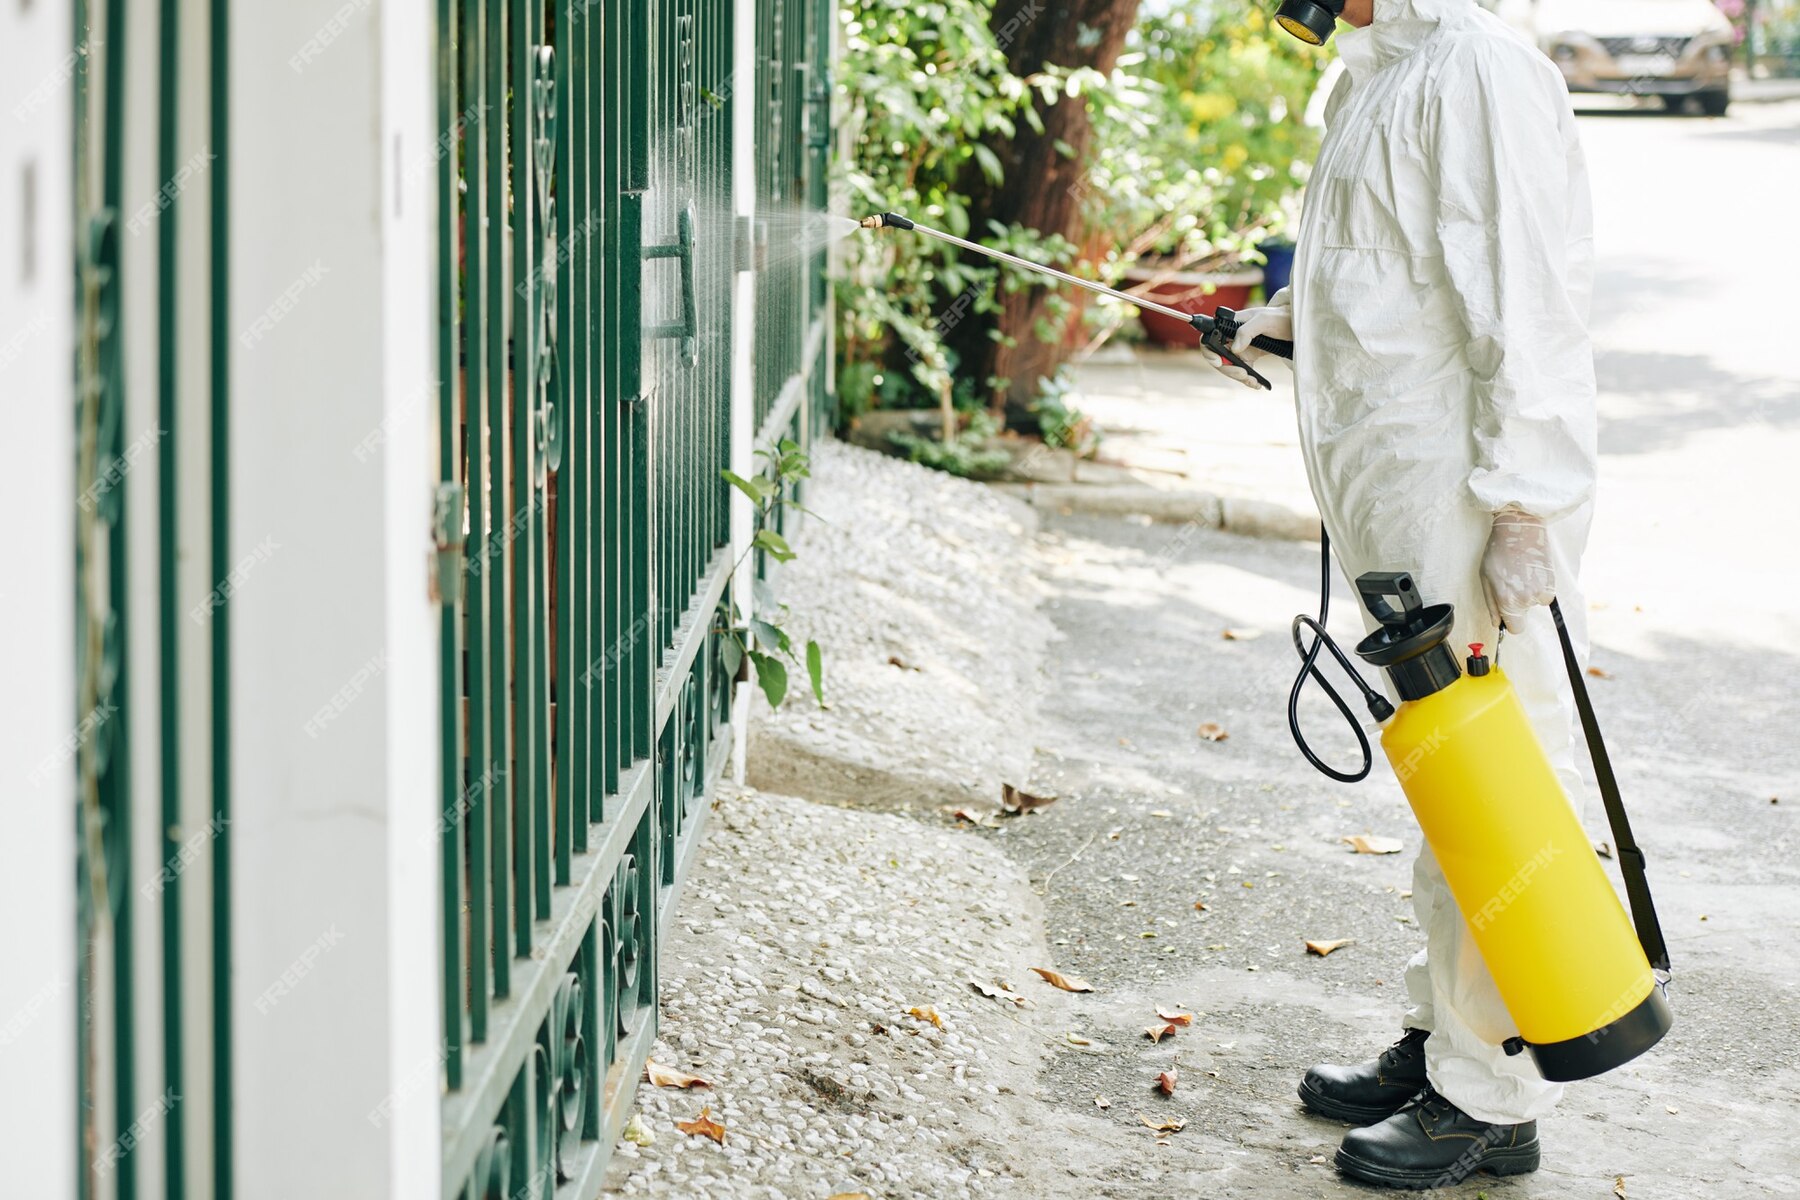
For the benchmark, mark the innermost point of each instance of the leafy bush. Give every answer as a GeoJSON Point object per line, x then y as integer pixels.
{"type": "Point", "coordinates": [1202, 147]}
{"type": "Point", "coordinates": [967, 454]}
{"type": "Point", "coordinates": [1200, 153]}
{"type": "Point", "coordinates": [923, 83]}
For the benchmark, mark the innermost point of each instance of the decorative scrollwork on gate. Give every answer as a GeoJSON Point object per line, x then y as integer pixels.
{"type": "Point", "coordinates": [548, 416]}
{"type": "Point", "coordinates": [492, 1177]}
{"type": "Point", "coordinates": [100, 645]}
{"type": "Point", "coordinates": [628, 941]}
{"type": "Point", "coordinates": [566, 1051]}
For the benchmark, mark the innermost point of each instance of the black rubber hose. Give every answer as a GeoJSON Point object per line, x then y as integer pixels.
{"type": "Point", "coordinates": [1378, 704]}
{"type": "Point", "coordinates": [1280, 347]}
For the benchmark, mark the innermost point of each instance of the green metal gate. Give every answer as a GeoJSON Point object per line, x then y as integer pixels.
{"type": "Point", "coordinates": [587, 252]}
{"type": "Point", "coordinates": [153, 935]}
{"type": "Point", "coordinates": [591, 388]}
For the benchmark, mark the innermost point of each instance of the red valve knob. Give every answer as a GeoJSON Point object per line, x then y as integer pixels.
{"type": "Point", "coordinates": [1475, 649]}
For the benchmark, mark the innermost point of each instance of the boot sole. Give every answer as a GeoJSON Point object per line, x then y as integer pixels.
{"type": "Point", "coordinates": [1509, 1160]}
{"type": "Point", "coordinates": [1350, 1114]}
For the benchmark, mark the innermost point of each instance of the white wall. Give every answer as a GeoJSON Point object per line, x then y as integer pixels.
{"type": "Point", "coordinates": [37, 603]}
{"type": "Point", "coordinates": [333, 674]}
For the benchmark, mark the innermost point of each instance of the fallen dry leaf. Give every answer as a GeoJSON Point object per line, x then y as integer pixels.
{"type": "Point", "coordinates": [1363, 843]}
{"type": "Point", "coordinates": [663, 1076]}
{"type": "Point", "coordinates": [894, 660]}
{"type": "Point", "coordinates": [1165, 1082]}
{"type": "Point", "coordinates": [1157, 1033]}
{"type": "Point", "coordinates": [1075, 1039]}
{"type": "Point", "coordinates": [848, 1196]}
{"type": "Point", "coordinates": [1067, 983]}
{"type": "Point", "coordinates": [1619, 1186]}
{"type": "Point", "coordinates": [1176, 1018]}
{"type": "Point", "coordinates": [1599, 673]}
{"type": "Point", "coordinates": [637, 1133]}
{"type": "Point", "coordinates": [1603, 849]}
{"type": "Point", "coordinates": [985, 820]}
{"type": "Point", "coordinates": [1017, 800]}
{"type": "Point", "coordinates": [1323, 948]}
{"type": "Point", "coordinates": [1317, 1159]}
{"type": "Point", "coordinates": [1240, 635]}
{"type": "Point", "coordinates": [1199, 906]}
{"type": "Point", "coordinates": [1673, 1111]}
{"type": "Point", "coordinates": [988, 990]}
{"type": "Point", "coordinates": [703, 1126]}
{"type": "Point", "coordinates": [926, 1013]}
{"type": "Point", "coordinates": [1212, 731]}
{"type": "Point", "coordinates": [1102, 1102]}
{"type": "Point", "coordinates": [1167, 1125]}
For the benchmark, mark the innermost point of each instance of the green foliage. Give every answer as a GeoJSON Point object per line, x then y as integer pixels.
{"type": "Point", "coordinates": [1202, 150]}
{"type": "Point", "coordinates": [1061, 423]}
{"type": "Point", "coordinates": [923, 84]}
{"type": "Point", "coordinates": [967, 454]}
{"type": "Point", "coordinates": [761, 638]}
{"type": "Point", "coordinates": [1199, 152]}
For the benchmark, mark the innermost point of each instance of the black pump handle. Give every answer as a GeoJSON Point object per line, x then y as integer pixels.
{"type": "Point", "coordinates": [1375, 586]}
{"type": "Point", "coordinates": [1219, 330]}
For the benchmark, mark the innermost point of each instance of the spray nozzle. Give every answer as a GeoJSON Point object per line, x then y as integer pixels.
{"type": "Point", "coordinates": [887, 220]}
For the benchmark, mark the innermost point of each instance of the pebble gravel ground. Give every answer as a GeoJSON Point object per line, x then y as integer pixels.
{"type": "Point", "coordinates": [809, 936]}
{"type": "Point", "coordinates": [810, 928]}
{"type": "Point", "coordinates": [922, 591]}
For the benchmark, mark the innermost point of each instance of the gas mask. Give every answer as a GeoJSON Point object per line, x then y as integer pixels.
{"type": "Point", "coordinates": [1312, 21]}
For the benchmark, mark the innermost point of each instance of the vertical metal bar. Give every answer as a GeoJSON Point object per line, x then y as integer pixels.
{"type": "Point", "coordinates": [168, 700]}
{"type": "Point", "coordinates": [494, 569]}
{"type": "Point", "coordinates": [533, 39]}
{"type": "Point", "coordinates": [116, 780]}
{"type": "Point", "coordinates": [86, 1085]}
{"type": "Point", "coordinates": [571, 475]}
{"type": "Point", "coordinates": [450, 704]}
{"type": "Point", "coordinates": [522, 495]}
{"type": "Point", "coordinates": [605, 146]}
{"type": "Point", "coordinates": [482, 760]}
{"type": "Point", "coordinates": [587, 148]}
{"type": "Point", "coordinates": [642, 596]}
{"type": "Point", "coordinates": [219, 556]}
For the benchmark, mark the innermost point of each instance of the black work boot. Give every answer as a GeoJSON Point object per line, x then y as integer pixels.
{"type": "Point", "coordinates": [1371, 1091]}
{"type": "Point", "coordinates": [1431, 1143]}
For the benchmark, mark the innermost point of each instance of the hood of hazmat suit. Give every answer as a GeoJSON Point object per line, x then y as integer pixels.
{"type": "Point", "coordinates": [1443, 373]}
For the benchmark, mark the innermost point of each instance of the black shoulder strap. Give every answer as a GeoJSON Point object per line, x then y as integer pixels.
{"type": "Point", "coordinates": [1631, 859]}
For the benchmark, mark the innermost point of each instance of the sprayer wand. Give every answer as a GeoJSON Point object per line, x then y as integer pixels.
{"type": "Point", "coordinates": [1216, 332]}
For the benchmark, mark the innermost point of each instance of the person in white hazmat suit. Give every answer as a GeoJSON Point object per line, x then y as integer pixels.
{"type": "Point", "coordinates": [1445, 389]}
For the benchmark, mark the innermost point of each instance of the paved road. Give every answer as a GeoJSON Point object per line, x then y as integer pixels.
{"type": "Point", "coordinates": [1694, 620]}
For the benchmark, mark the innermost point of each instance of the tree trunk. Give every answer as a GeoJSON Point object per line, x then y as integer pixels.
{"type": "Point", "coordinates": [1039, 188]}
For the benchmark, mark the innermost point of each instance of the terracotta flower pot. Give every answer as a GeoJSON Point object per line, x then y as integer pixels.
{"type": "Point", "coordinates": [1192, 292]}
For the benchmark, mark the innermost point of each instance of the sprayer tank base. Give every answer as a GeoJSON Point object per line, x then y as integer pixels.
{"type": "Point", "coordinates": [1612, 1045]}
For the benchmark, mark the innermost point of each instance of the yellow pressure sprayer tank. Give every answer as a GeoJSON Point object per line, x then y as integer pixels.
{"type": "Point", "coordinates": [1567, 962]}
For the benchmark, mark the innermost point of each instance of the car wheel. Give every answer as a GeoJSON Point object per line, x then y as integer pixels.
{"type": "Point", "coordinates": [1674, 105]}
{"type": "Point", "coordinates": [1714, 104]}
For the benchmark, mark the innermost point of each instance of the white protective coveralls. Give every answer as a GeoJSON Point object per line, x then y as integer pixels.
{"type": "Point", "coordinates": [1443, 373]}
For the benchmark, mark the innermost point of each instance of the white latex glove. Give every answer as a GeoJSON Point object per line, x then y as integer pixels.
{"type": "Point", "coordinates": [1516, 572]}
{"type": "Point", "coordinates": [1273, 321]}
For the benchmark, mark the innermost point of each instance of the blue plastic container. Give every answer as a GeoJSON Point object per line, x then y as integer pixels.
{"type": "Point", "coordinates": [1279, 267]}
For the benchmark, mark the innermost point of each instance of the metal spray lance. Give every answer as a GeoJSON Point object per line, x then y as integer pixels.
{"type": "Point", "coordinates": [1216, 332]}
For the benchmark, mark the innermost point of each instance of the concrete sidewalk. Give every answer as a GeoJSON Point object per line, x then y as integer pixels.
{"type": "Point", "coordinates": [1181, 443]}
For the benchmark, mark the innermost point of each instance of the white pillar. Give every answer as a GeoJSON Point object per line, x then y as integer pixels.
{"type": "Point", "coordinates": [744, 112]}
{"type": "Point", "coordinates": [37, 603]}
{"type": "Point", "coordinates": [334, 670]}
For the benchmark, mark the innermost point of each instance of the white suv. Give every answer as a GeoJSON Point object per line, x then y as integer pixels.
{"type": "Point", "coordinates": [1675, 49]}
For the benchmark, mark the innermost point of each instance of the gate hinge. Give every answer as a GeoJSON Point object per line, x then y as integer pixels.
{"type": "Point", "coordinates": [447, 540]}
{"type": "Point", "coordinates": [743, 243]}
